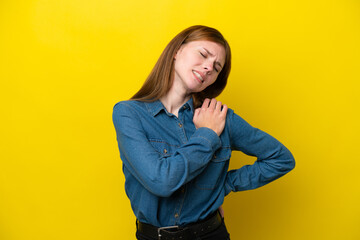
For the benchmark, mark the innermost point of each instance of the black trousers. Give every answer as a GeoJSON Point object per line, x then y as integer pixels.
{"type": "Point", "coordinates": [220, 233]}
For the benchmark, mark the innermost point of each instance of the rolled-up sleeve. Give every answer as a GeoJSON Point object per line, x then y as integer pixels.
{"type": "Point", "coordinates": [273, 158]}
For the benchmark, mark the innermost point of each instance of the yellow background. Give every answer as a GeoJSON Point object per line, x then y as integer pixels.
{"type": "Point", "coordinates": [64, 64]}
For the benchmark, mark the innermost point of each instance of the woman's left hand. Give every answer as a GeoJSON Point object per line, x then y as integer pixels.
{"type": "Point", "coordinates": [221, 210]}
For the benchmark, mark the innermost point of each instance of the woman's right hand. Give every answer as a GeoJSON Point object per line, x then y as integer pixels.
{"type": "Point", "coordinates": [211, 115]}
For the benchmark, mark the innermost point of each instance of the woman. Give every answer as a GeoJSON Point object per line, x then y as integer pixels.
{"type": "Point", "coordinates": [175, 141]}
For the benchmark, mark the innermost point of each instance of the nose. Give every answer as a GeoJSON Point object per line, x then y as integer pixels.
{"type": "Point", "coordinates": [208, 66]}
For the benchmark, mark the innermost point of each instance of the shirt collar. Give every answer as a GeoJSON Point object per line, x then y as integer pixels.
{"type": "Point", "coordinates": [189, 104]}
{"type": "Point", "coordinates": [155, 107]}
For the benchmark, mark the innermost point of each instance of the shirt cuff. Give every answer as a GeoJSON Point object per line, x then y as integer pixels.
{"type": "Point", "coordinates": [210, 136]}
{"type": "Point", "coordinates": [227, 187]}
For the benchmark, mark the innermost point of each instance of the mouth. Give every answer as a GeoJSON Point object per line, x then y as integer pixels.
{"type": "Point", "coordinates": [198, 76]}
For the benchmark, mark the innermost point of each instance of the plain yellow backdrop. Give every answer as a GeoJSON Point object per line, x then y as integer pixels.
{"type": "Point", "coordinates": [64, 64]}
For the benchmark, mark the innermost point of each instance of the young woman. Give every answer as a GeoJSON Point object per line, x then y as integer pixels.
{"type": "Point", "coordinates": [175, 141]}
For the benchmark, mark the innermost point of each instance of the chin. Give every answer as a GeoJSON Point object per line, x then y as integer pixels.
{"type": "Point", "coordinates": [196, 90]}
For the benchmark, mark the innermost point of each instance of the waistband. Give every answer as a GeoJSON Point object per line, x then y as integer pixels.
{"type": "Point", "coordinates": [181, 232]}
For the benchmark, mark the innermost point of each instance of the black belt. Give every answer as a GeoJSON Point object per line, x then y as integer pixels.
{"type": "Point", "coordinates": [177, 232]}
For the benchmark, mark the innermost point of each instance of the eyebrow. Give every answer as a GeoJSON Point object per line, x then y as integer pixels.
{"type": "Point", "coordinates": [212, 55]}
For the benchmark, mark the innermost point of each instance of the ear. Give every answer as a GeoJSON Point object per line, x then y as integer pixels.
{"type": "Point", "coordinates": [178, 51]}
{"type": "Point", "coordinates": [176, 54]}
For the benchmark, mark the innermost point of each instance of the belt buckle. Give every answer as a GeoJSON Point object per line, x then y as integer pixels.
{"type": "Point", "coordinates": [165, 228]}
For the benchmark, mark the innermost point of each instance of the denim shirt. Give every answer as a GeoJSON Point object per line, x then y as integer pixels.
{"type": "Point", "coordinates": [176, 174]}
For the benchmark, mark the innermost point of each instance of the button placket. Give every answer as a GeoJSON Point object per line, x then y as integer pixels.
{"type": "Point", "coordinates": [181, 128]}
{"type": "Point", "coordinates": [180, 201]}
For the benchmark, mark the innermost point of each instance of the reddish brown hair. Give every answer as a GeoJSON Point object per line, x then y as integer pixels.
{"type": "Point", "coordinates": [160, 80]}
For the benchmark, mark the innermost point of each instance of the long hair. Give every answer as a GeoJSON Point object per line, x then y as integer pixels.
{"type": "Point", "coordinates": [160, 79]}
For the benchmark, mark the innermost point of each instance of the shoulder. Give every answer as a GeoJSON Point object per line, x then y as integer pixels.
{"type": "Point", "coordinates": [126, 109]}
{"type": "Point", "coordinates": [231, 116]}
{"type": "Point", "coordinates": [234, 116]}
{"type": "Point", "coordinates": [129, 107]}
{"type": "Point", "coordinates": [230, 112]}
{"type": "Point", "coordinates": [127, 114]}
{"type": "Point", "coordinates": [128, 104]}
{"type": "Point", "coordinates": [235, 122]}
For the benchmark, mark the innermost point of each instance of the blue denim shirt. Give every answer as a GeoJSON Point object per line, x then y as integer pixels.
{"type": "Point", "coordinates": [177, 174]}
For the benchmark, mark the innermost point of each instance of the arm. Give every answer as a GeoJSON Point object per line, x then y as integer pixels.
{"type": "Point", "coordinates": [273, 159]}
{"type": "Point", "coordinates": [160, 175]}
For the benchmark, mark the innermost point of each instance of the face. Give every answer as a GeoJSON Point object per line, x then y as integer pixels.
{"type": "Point", "coordinates": [198, 64]}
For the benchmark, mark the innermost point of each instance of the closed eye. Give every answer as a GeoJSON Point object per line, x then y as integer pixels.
{"type": "Point", "coordinates": [204, 56]}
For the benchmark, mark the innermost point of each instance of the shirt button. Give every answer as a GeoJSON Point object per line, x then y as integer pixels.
{"type": "Point", "coordinates": [165, 151]}
{"type": "Point", "coordinates": [180, 125]}
{"type": "Point", "coordinates": [176, 215]}
{"type": "Point", "coordinates": [182, 189]}
{"type": "Point", "coordinates": [184, 107]}
{"type": "Point", "coordinates": [214, 156]}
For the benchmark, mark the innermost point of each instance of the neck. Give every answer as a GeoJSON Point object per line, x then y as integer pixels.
{"type": "Point", "coordinates": [174, 99]}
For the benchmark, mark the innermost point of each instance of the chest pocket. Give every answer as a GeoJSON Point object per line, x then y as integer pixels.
{"type": "Point", "coordinates": [215, 172]}
{"type": "Point", "coordinates": [163, 148]}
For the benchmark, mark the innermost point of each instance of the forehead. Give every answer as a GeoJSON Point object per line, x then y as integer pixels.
{"type": "Point", "coordinates": [214, 48]}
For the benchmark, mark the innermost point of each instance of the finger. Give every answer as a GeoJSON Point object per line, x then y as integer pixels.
{"type": "Point", "coordinates": [221, 210]}
{"type": "Point", "coordinates": [218, 106]}
{"type": "Point", "coordinates": [224, 110]}
{"type": "Point", "coordinates": [206, 103]}
{"type": "Point", "coordinates": [196, 113]}
{"type": "Point", "coordinates": [213, 103]}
